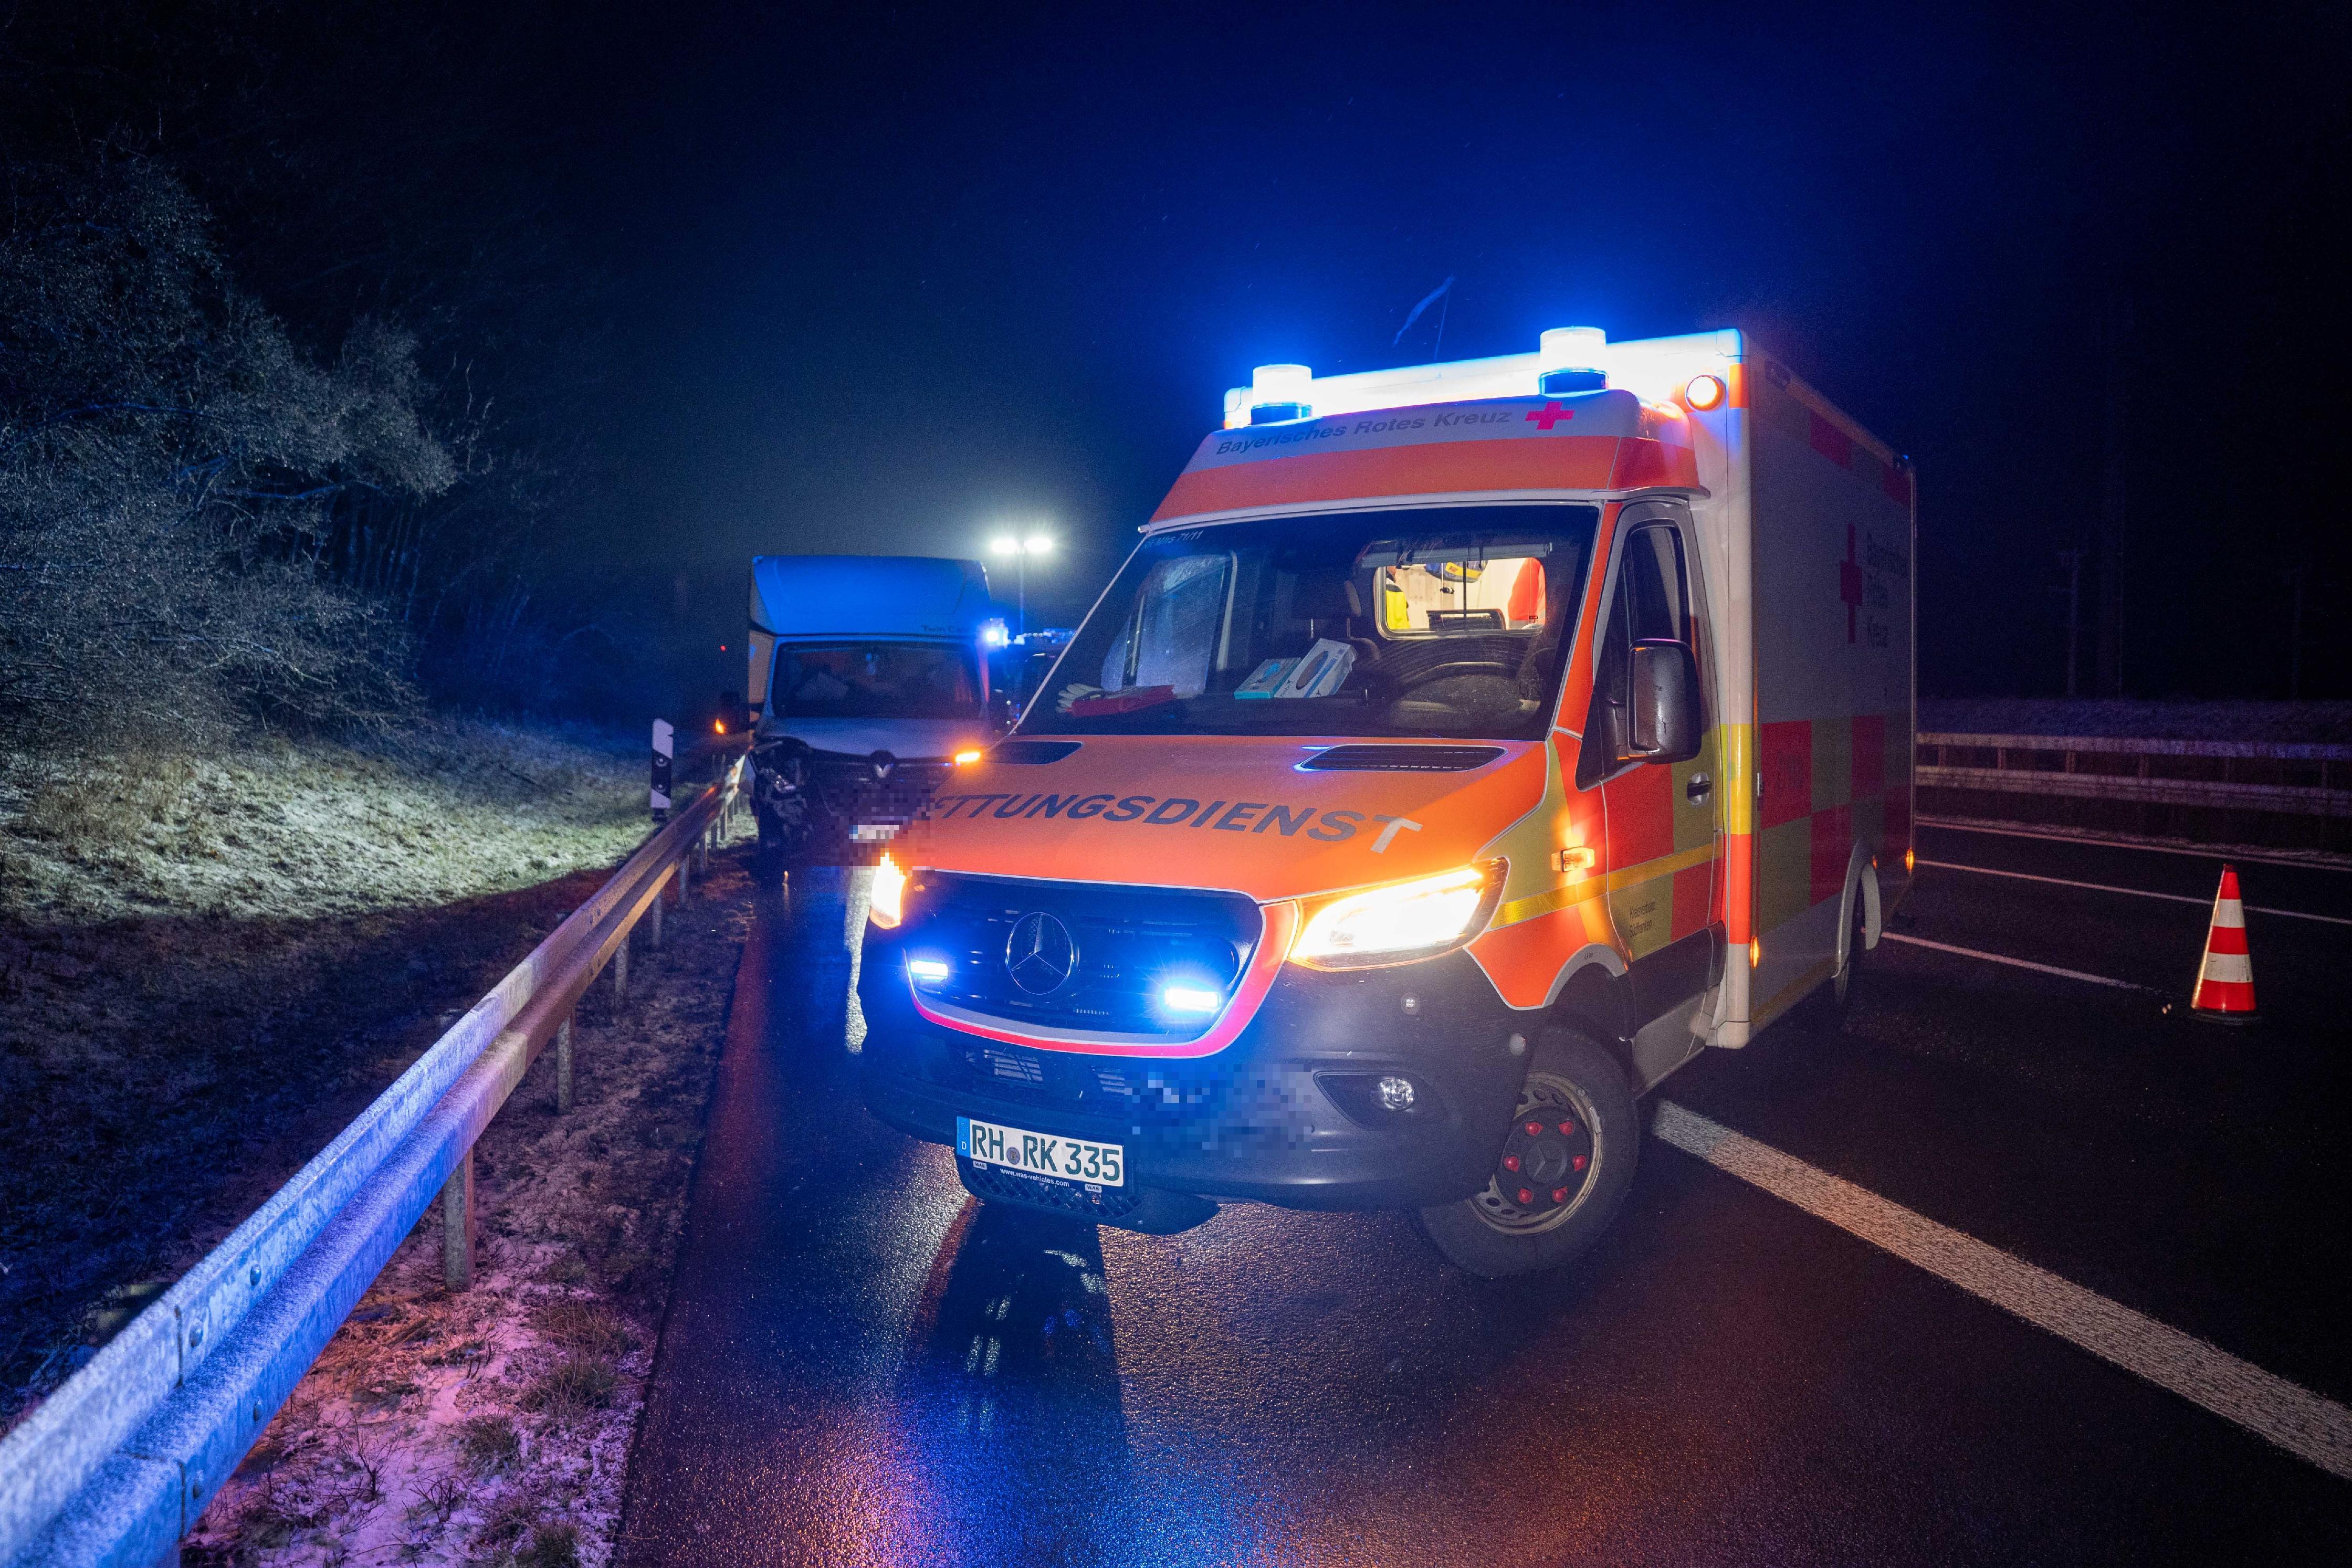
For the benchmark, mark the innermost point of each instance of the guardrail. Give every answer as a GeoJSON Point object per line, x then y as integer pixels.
{"type": "Point", "coordinates": [2290, 778]}
{"type": "Point", "coordinates": [117, 1465]}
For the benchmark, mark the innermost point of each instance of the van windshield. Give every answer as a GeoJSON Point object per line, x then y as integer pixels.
{"type": "Point", "coordinates": [873, 680]}
{"type": "Point", "coordinates": [1442, 621]}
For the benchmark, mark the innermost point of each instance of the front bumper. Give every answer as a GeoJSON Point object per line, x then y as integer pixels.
{"type": "Point", "coordinates": [1285, 1114]}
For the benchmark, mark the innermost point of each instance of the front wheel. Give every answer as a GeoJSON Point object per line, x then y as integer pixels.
{"type": "Point", "coordinates": [768, 860]}
{"type": "Point", "coordinates": [1562, 1173]}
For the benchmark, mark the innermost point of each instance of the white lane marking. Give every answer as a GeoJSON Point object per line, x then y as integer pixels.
{"type": "Point", "coordinates": [2232, 853]}
{"type": "Point", "coordinates": [2018, 963]}
{"type": "Point", "coordinates": [2304, 1424]}
{"type": "Point", "coordinates": [2134, 892]}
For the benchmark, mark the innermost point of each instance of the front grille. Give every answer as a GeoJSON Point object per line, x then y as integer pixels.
{"type": "Point", "coordinates": [847, 789]}
{"type": "Point", "coordinates": [1128, 943]}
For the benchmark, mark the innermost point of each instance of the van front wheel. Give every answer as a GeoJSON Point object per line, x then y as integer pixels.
{"type": "Point", "coordinates": [1561, 1174]}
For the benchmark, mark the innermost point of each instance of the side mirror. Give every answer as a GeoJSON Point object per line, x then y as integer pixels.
{"type": "Point", "coordinates": [1663, 720]}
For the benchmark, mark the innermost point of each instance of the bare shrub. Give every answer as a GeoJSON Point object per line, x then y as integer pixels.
{"type": "Point", "coordinates": [170, 465]}
{"type": "Point", "coordinates": [489, 1444]}
{"type": "Point", "coordinates": [554, 1544]}
{"type": "Point", "coordinates": [584, 1327]}
{"type": "Point", "coordinates": [573, 1387]}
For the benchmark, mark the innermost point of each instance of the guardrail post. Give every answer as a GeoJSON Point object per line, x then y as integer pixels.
{"type": "Point", "coordinates": [457, 1224]}
{"type": "Point", "coordinates": [661, 894]}
{"type": "Point", "coordinates": [685, 877]}
{"type": "Point", "coordinates": [620, 970]}
{"type": "Point", "coordinates": [563, 1067]}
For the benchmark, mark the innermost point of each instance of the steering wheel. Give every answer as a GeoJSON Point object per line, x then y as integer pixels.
{"type": "Point", "coordinates": [1499, 668]}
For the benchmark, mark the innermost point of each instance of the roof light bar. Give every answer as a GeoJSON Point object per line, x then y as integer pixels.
{"type": "Point", "coordinates": [1568, 359]}
{"type": "Point", "coordinates": [1281, 393]}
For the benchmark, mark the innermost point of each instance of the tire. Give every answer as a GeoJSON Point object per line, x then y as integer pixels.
{"type": "Point", "coordinates": [1492, 1234]}
{"type": "Point", "coordinates": [768, 860]}
{"type": "Point", "coordinates": [1828, 1007]}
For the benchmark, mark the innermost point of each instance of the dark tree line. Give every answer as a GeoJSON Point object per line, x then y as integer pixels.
{"type": "Point", "coordinates": [300, 366]}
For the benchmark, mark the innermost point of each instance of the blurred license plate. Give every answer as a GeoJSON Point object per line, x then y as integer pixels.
{"type": "Point", "coordinates": [1041, 1154]}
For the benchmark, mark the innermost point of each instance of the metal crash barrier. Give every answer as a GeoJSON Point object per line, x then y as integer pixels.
{"type": "Point", "coordinates": [117, 1464]}
{"type": "Point", "coordinates": [2150, 785]}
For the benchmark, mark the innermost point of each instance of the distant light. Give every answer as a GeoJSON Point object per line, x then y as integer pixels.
{"type": "Point", "coordinates": [1037, 544]}
{"type": "Point", "coordinates": [722, 647]}
{"type": "Point", "coordinates": [1193, 999]}
{"type": "Point", "coordinates": [1396, 1093]}
{"type": "Point", "coordinates": [1004, 547]}
{"type": "Point", "coordinates": [719, 726]}
{"type": "Point", "coordinates": [1281, 393]}
{"type": "Point", "coordinates": [966, 758]}
{"type": "Point", "coordinates": [931, 969]}
{"type": "Point", "coordinates": [1704, 392]}
{"type": "Point", "coordinates": [1910, 861]}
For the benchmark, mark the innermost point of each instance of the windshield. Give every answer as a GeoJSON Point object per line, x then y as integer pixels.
{"type": "Point", "coordinates": [873, 680]}
{"type": "Point", "coordinates": [1437, 621]}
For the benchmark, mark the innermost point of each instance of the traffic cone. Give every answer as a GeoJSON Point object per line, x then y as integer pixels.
{"type": "Point", "coordinates": [2225, 984]}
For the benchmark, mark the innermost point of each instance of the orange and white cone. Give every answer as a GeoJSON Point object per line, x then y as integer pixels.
{"type": "Point", "coordinates": [2225, 985]}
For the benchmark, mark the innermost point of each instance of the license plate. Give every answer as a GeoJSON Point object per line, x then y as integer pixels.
{"type": "Point", "coordinates": [1041, 1154]}
{"type": "Point", "coordinates": [873, 832]}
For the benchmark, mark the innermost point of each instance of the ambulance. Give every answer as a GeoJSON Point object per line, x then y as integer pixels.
{"type": "Point", "coordinates": [1463, 749]}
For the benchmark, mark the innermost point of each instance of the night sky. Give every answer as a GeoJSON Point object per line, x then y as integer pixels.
{"type": "Point", "coordinates": [890, 279]}
{"type": "Point", "coordinates": [907, 275]}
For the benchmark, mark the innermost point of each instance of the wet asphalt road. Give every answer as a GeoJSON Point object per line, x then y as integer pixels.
{"type": "Point", "coordinates": [861, 1366]}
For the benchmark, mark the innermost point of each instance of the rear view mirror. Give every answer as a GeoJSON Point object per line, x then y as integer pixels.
{"type": "Point", "coordinates": [1664, 714]}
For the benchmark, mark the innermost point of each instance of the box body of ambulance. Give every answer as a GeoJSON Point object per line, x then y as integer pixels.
{"type": "Point", "coordinates": [1463, 749]}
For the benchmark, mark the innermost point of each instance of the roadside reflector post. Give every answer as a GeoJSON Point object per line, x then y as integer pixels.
{"type": "Point", "coordinates": [664, 749]}
{"type": "Point", "coordinates": [563, 1067]}
{"type": "Point", "coordinates": [457, 1224]}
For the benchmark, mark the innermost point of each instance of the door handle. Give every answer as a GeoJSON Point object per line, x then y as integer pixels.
{"type": "Point", "coordinates": [1696, 791]}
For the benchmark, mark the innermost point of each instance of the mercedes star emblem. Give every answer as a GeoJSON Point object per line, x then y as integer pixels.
{"type": "Point", "coordinates": [1040, 954]}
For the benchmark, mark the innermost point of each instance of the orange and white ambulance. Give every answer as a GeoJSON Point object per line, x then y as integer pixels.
{"type": "Point", "coordinates": [1464, 747]}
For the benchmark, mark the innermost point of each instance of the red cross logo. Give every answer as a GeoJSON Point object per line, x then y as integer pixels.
{"type": "Point", "coordinates": [1551, 413]}
{"type": "Point", "coordinates": [1850, 583]}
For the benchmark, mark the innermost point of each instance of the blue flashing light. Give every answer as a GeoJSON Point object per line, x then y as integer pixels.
{"type": "Point", "coordinates": [928, 971]}
{"type": "Point", "coordinates": [1193, 1001]}
{"type": "Point", "coordinates": [1561, 383]}
{"type": "Point", "coordinates": [992, 634]}
{"type": "Point", "coordinates": [1280, 393]}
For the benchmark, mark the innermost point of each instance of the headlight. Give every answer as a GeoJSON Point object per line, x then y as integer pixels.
{"type": "Point", "coordinates": [1408, 920]}
{"type": "Point", "coordinates": [889, 891]}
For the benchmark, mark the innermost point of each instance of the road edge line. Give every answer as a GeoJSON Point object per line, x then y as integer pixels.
{"type": "Point", "coordinates": [2017, 962]}
{"type": "Point", "coordinates": [2309, 1426]}
{"type": "Point", "coordinates": [2130, 892]}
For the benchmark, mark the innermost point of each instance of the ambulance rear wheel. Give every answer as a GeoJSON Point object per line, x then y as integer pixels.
{"type": "Point", "coordinates": [1564, 1167]}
